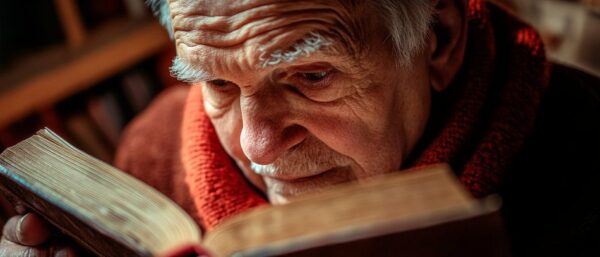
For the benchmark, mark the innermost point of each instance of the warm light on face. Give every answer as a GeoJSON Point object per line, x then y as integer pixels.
{"type": "Point", "coordinates": [292, 105]}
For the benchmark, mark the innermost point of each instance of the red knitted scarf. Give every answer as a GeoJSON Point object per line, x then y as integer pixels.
{"type": "Point", "coordinates": [477, 126]}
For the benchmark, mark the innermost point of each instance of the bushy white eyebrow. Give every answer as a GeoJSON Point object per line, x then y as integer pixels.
{"type": "Point", "coordinates": [310, 44]}
{"type": "Point", "coordinates": [185, 72]}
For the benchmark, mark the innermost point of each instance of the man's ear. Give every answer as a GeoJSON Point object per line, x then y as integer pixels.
{"type": "Point", "coordinates": [447, 42]}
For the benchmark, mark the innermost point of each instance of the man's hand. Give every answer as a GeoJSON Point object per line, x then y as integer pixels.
{"type": "Point", "coordinates": [28, 235]}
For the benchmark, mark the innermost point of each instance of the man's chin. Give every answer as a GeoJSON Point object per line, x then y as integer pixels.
{"type": "Point", "coordinates": [281, 191]}
{"type": "Point", "coordinates": [283, 194]}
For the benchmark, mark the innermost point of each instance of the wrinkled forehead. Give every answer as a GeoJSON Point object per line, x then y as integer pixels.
{"type": "Point", "coordinates": [232, 7]}
{"type": "Point", "coordinates": [250, 30]}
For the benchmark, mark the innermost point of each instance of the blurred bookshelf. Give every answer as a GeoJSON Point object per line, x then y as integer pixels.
{"type": "Point", "coordinates": [32, 88]}
{"type": "Point", "coordinates": [87, 84]}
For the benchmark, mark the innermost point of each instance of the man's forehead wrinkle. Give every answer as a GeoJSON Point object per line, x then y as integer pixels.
{"type": "Point", "coordinates": [210, 31]}
{"type": "Point", "coordinates": [217, 63]}
{"type": "Point", "coordinates": [213, 58]}
{"type": "Point", "coordinates": [273, 38]}
{"type": "Point", "coordinates": [226, 24]}
{"type": "Point", "coordinates": [276, 29]}
{"type": "Point", "coordinates": [196, 20]}
{"type": "Point", "coordinates": [250, 57]}
{"type": "Point", "coordinates": [250, 30]}
{"type": "Point", "coordinates": [220, 7]}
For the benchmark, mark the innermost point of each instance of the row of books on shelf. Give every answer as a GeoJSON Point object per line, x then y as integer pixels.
{"type": "Point", "coordinates": [93, 119]}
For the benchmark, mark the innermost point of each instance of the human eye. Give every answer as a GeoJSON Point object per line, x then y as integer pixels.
{"type": "Point", "coordinates": [220, 85]}
{"type": "Point", "coordinates": [315, 76]}
{"type": "Point", "coordinates": [220, 93]}
{"type": "Point", "coordinates": [314, 79]}
{"type": "Point", "coordinates": [320, 82]}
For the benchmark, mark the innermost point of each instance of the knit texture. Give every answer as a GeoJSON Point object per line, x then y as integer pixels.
{"type": "Point", "coordinates": [216, 184]}
{"type": "Point", "coordinates": [477, 126]}
{"type": "Point", "coordinates": [484, 119]}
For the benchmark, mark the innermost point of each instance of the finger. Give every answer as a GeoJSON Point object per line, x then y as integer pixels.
{"type": "Point", "coordinates": [12, 249]}
{"type": "Point", "coordinates": [28, 229]}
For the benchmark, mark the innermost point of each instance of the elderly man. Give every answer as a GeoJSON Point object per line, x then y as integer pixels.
{"type": "Point", "coordinates": [289, 97]}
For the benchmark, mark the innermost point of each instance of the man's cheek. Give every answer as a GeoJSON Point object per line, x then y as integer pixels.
{"type": "Point", "coordinates": [341, 136]}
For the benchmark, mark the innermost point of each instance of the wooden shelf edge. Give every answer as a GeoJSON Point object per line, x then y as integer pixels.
{"type": "Point", "coordinates": [48, 87]}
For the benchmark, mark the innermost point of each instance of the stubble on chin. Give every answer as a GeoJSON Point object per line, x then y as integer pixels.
{"type": "Point", "coordinates": [309, 167]}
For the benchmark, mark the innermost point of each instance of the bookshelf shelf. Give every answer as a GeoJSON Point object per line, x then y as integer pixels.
{"type": "Point", "coordinates": [124, 44]}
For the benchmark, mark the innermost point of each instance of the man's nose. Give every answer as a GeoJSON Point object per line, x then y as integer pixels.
{"type": "Point", "coordinates": [268, 127]}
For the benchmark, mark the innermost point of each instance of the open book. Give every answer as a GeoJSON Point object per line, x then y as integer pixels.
{"type": "Point", "coordinates": [423, 212]}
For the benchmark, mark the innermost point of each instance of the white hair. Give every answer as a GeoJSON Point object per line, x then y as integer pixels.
{"type": "Point", "coordinates": [407, 21]}
{"type": "Point", "coordinates": [185, 72]}
{"type": "Point", "coordinates": [310, 44]}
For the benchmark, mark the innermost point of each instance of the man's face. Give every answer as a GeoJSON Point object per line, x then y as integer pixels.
{"type": "Point", "coordinates": [303, 95]}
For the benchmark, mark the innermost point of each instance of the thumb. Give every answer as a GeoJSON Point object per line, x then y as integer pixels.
{"type": "Point", "coordinates": [28, 229]}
